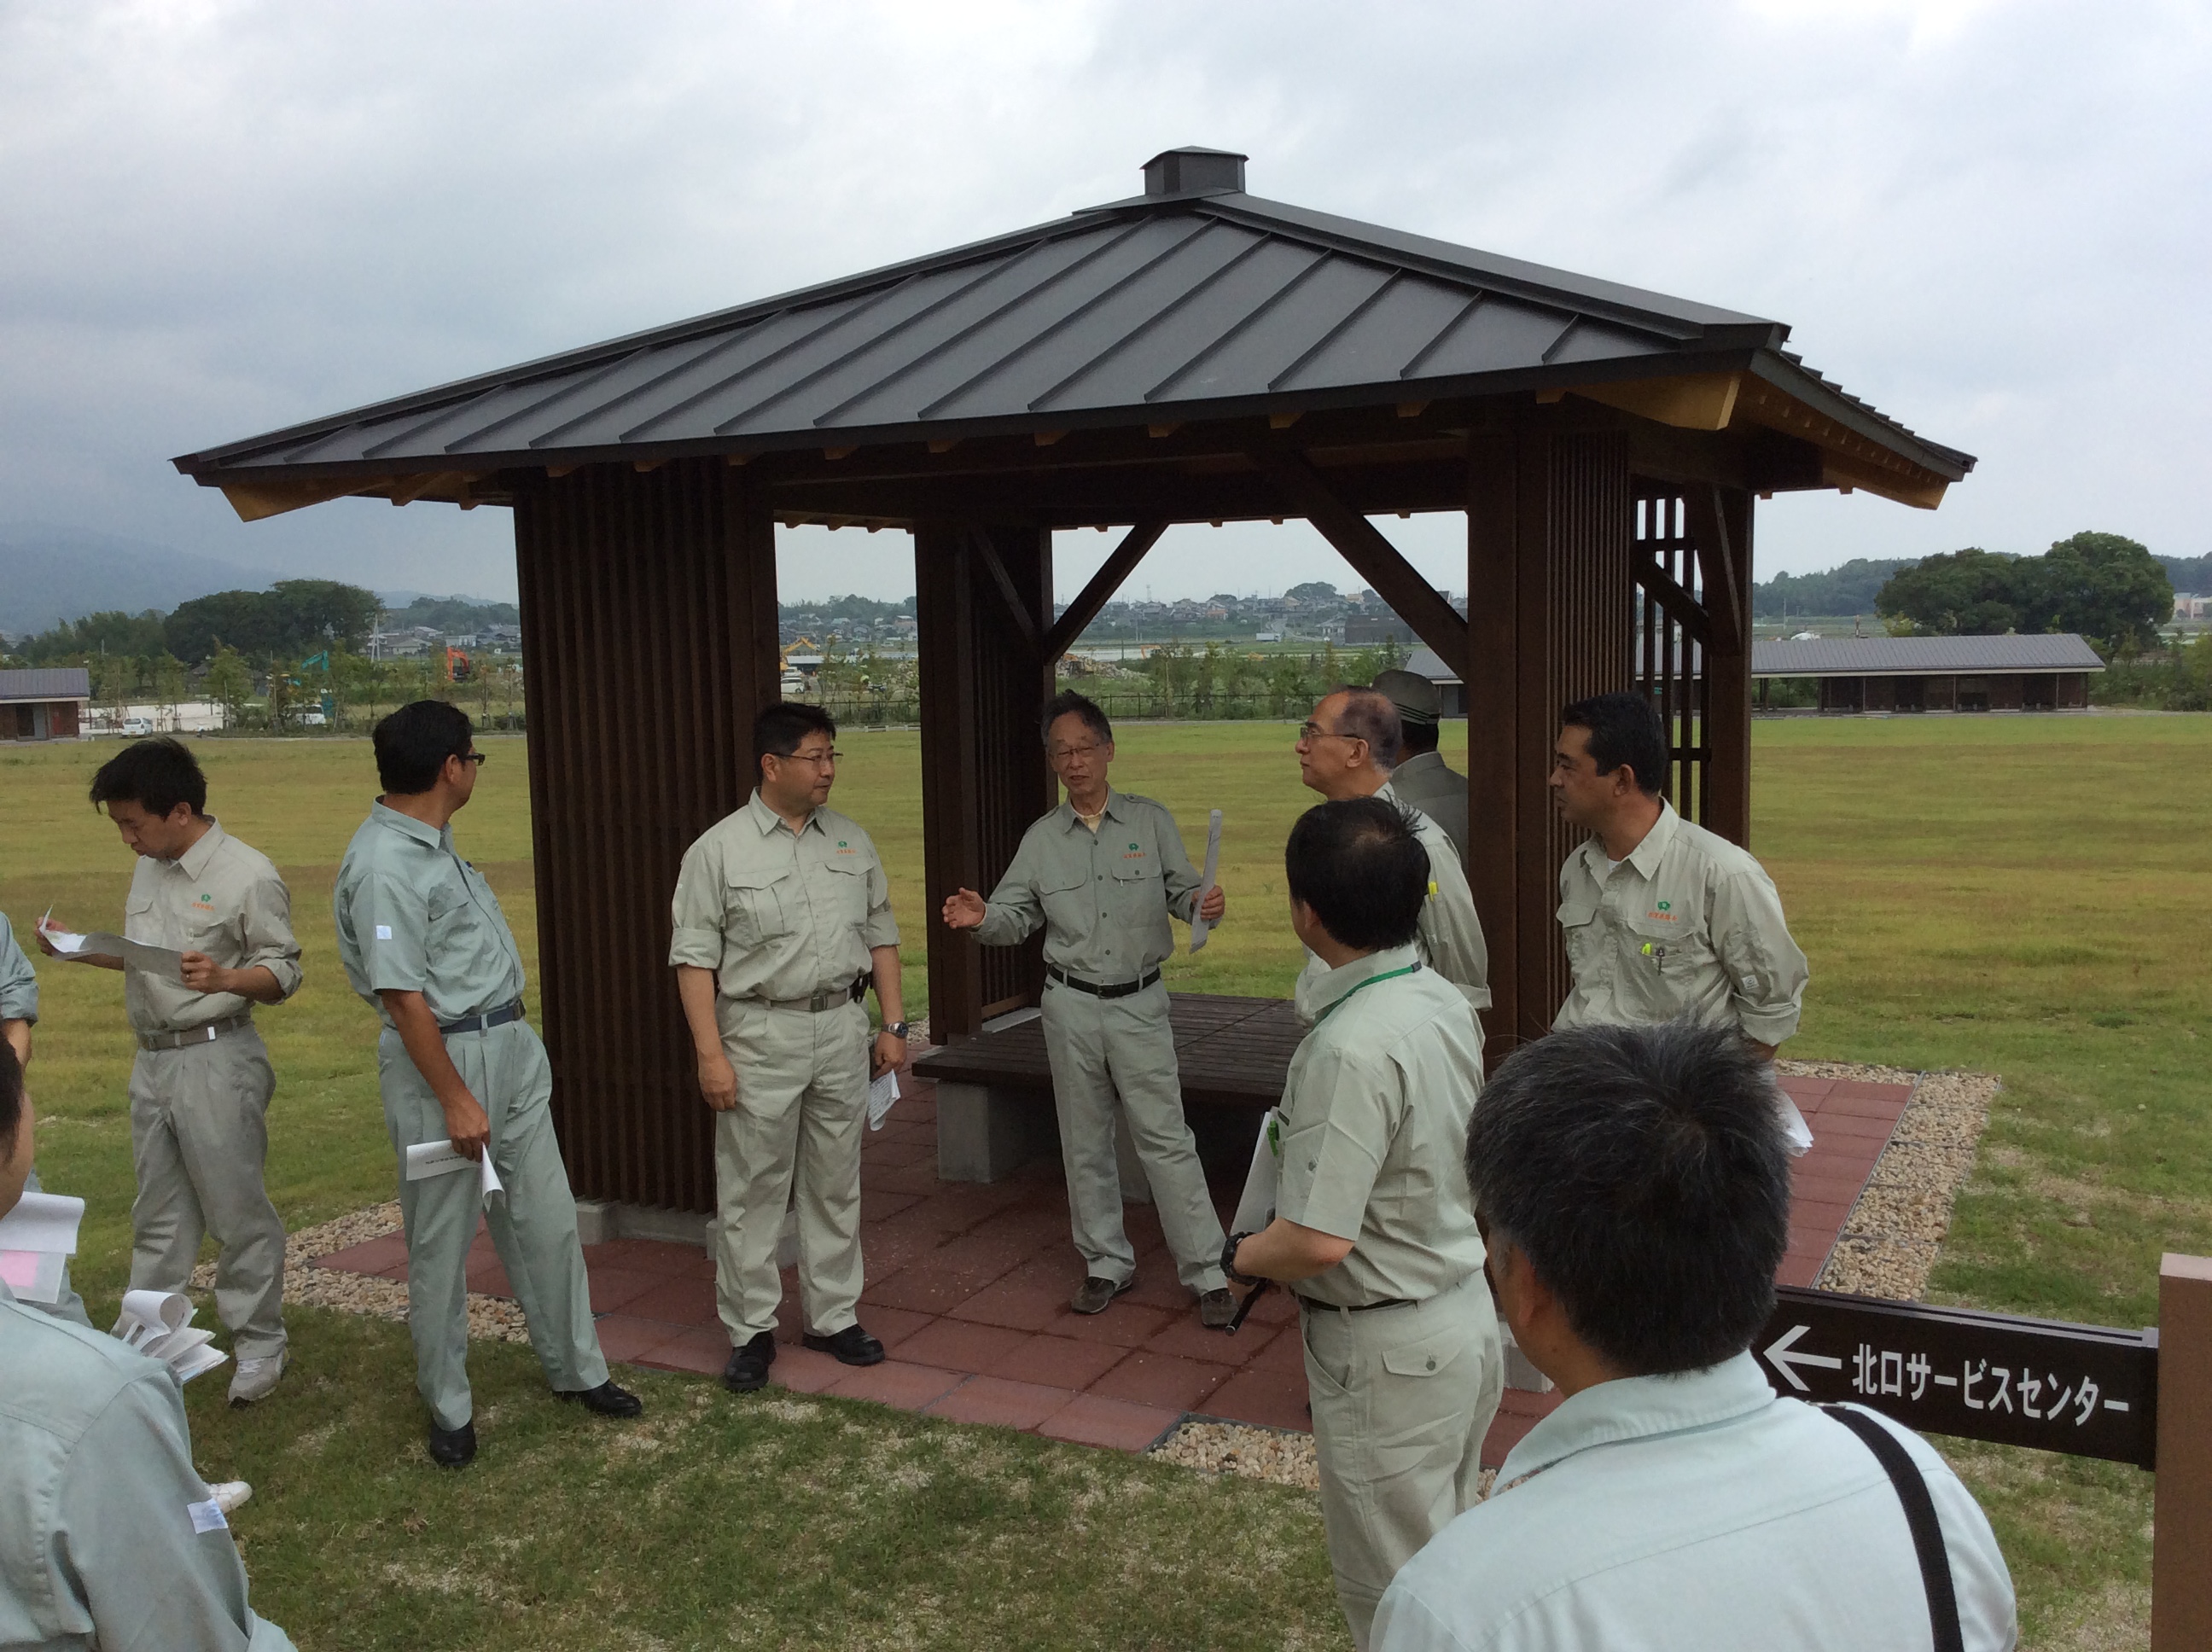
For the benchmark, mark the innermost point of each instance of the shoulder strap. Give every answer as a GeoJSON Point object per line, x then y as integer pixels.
{"type": "Point", "coordinates": [1920, 1515]}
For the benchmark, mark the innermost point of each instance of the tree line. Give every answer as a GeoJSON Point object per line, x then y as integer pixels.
{"type": "Point", "coordinates": [2106, 587]}
{"type": "Point", "coordinates": [293, 619]}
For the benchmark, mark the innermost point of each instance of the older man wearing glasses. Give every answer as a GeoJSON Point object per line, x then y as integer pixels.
{"type": "Point", "coordinates": [1346, 749]}
{"type": "Point", "coordinates": [782, 921]}
{"type": "Point", "coordinates": [1103, 873]}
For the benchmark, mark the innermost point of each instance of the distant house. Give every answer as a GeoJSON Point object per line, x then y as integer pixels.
{"type": "Point", "coordinates": [45, 704]}
{"type": "Point", "coordinates": [1366, 630]}
{"type": "Point", "coordinates": [1907, 674]}
{"type": "Point", "coordinates": [2189, 606]}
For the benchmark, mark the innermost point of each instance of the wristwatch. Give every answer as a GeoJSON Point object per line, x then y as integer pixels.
{"type": "Point", "coordinates": [1229, 1260]}
{"type": "Point", "coordinates": [895, 1028]}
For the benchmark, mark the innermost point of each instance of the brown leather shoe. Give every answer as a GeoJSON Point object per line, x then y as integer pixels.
{"type": "Point", "coordinates": [1216, 1309]}
{"type": "Point", "coordinates": [1095, 1293]}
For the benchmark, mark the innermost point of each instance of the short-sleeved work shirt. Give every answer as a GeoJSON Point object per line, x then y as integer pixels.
{"type": "Point", "coordinates": [1373, 1130]}
{"type": "Point", "coordinates": [779, 914]}
{"type": "Point", "coordinates": [414, 917]}
{"type": "Point", "coordinates": [1104, 897]}
{"type": "Point", "coordinates": [1688, 923]}
{"type": "Point", "coordinates": [219, 898]}
{"type": "Point", "coordinates": [98, 1544]}
{"type": "Point", "coordinates": [19, 983]}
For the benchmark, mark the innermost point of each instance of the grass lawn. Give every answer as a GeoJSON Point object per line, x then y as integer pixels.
{"type": "Point", "coordinates": [2020, 896]}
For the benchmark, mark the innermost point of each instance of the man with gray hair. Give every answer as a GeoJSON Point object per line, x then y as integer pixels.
{"type": "Point", "coordinates": [1633, 1184]}
{"type": "Point", "coordinates": [1345, 750]}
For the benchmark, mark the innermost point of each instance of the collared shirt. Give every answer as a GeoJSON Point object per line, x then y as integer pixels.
{"type": "Point", "coordinates": [780, 915]}
{"type": "Point", "coordinates": [219, 898]}
{"type": "Point", "coordinates": [1438, 791]}
{"type": "Point", "coordinates": [1104, 897]}
{"type": "Point", "coordinates": [1695, 1512]}
{"type": "Point", "coordinates": [97, 1542]}
{"type": "Point", "coordinates": [19, 983]}
{"type": "Point", "coordinates": [414, 917]}
{"type": "Point", "coordinates": [1688, 923]}
{"type": "Point", "coordinates": [1374, 1132]}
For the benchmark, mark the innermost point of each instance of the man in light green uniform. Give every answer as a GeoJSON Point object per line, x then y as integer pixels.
{"type": "Point", "coordinates": [1420, 777]}
{"type": "Point", "coordinates": [19, 1013]}
{"type": "Point", "coordinates": [1103, 873]}
{"type": "Point", "coordinates": [1661, 917]}
{"type": "Point", "coordinates": [782, 919]}
{"type": "Point", "coordinates": [201, 1087]}
{"type": "Point", "coordinates": [1345, 750]}
{"type": "Point", "coordinates": [424, 939]}
{"type": "Point", "coordinates": [108, 1538]}
{"type": "Point", "coordinates": [1373, 1224]}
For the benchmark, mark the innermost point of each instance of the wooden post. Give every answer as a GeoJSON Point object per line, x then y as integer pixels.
{"type": "Point", "coordinates": [2181, 1545]}
{"type": "Point", "coordinates": [1495, 759]}
{"type": "Point", "coordinates": [1720, 521]}
{"type": "Point", "coordinates": [983, 604]}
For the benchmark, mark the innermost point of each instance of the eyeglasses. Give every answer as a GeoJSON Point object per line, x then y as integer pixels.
{"type": "Point", "coordinates": [816, 758]}
{"type": "Point", "coordinates": [474, 757]}
{"type": "Point", "coordinates": [1315, 732]}
{"type": "Point", "coordinates": [1060, 754]}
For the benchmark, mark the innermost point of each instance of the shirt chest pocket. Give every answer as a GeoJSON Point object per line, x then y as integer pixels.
{"type": "Point", "coordinates": [761, 905]}
{"type": "Point", "coordinates": [1069, 907]}
{"type": "Point", "coordinates": [1665, 944]}
{"type": "Point", "coordinates": [1136, 887]}
{"type": "Point", "coordinates": [1579, 930]}
{"type": "Point", "coordinates": [843, 887]}
{"type": "Point", "coordinates": [138, 924]}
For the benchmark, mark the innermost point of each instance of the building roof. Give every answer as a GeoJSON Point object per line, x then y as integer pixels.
{"type": "Point", "coordinates": [46, 682]}
{"type": "Point", "coordinates": [1920, 656]}
{"type": "Point", "coordinates": [1194, 301]}
{"type": "Point", "coordinates": [1426, 662]}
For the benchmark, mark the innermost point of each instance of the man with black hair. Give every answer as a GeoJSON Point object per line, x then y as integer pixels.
{"type": "Point", "coordinates": [108, 1537]}
{"type": "Point", "coordinates": [1374, 1227]}
{"type": "Point", "coordinates": [1420, 777]}
{"type": "Point", "coordinates": [783, 920]}
{"type": "Point", "coordinates": [423, 940]}
{"type": "Point", "coordinates": [1634, 1186]}
{"type": "Point", "coordinates": [1662, 918]}
{"type": "Point", "coordinates": [201, 1086]}
{"type": "Point", "coordinates": [1103, 873]}
{"type": "Point", "coordinates": [1345, 750]}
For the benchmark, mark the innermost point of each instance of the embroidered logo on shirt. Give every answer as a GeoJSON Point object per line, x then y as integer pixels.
{"type": "Point", "coordinates": [1662, 915]}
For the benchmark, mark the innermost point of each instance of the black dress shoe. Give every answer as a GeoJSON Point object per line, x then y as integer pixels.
{"type": "Point", "coordinates": [606, 1400]}
{"type": "Point", "coordinates": [851, 1347]}
{"type": "Point", "coordinates": [453, 1447]}
{"type": "Point", "coordinates": [748, 1367]}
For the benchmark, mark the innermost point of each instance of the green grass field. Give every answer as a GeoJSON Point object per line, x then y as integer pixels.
{"type": "Point", "coordinates": [2025, 897]}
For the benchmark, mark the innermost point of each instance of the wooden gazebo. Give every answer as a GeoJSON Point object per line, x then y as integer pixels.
{"type": "Point", "coordinates": [1191, 354]}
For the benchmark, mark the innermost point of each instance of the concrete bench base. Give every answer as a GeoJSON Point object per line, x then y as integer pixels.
{"type": "Point", "coordinates": [984, 1132]}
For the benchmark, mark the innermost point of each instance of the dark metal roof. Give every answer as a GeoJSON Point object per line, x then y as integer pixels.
{"type": "Point", "coordinates": [1427, 662]}
{"type": "Point", "coordinates": [1921, 656]}
{"type": "Point", "coordinates": [1201, 303]}
{"type": "Point", "coordinates": [46, 682]}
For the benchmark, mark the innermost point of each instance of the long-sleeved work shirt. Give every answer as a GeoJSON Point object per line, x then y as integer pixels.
{"type": "Point", "coordinates": [414, 917]}
{"type": "Point", "coordinates": [19, 982]}
{"type": "Point", "coordinates": [1104, 897]}
{"type": "Point", "coordinates": [220, 898]}
{"type": "Point", "coordinates": [779, 914]}
{"type": "Point", "coordinates": [1688, 923]}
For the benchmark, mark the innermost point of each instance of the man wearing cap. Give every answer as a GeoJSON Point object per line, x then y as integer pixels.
{"type": "Point", "coordinates": [201, 1086]}
{"type": "Point", "coordinates": [783, 920]}
{"type": "Point", "coordinates": [1345, 750]}
{"type": "Point", "coordinates": [1103, 873]}
{"type": "Point", "coordinates": [422, 939]}
{"type": "Point", "coordinates": [1420, 777]}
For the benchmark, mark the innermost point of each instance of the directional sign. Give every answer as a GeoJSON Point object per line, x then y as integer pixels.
{"type": "Point", "coordinates": [2083, 1389]}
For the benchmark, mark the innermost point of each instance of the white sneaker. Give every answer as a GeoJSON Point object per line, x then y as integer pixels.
{"type": "Point", "coordinates": [229, 1494]}
{"type": "Point", "coordinates": [254, 1378]}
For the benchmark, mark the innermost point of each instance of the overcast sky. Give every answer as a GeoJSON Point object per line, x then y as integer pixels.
{"type": "Point", "coordinates": [1989, 220]}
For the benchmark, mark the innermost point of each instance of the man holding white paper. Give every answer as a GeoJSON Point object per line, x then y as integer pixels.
{"type": "Point", "coordinates": [422, 939]}
{"type": "Point", "coordinates": [201, 1084]}
{"type": "Point", "coordinates": [1103, 873]}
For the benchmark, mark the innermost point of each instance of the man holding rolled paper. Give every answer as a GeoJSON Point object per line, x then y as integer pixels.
{"type": "Point", "coordinates": [422, 939]}
{"type": "Point", "coordinates": [1103, 873]}
{"type": "Point", "coordinates": [208, 928]}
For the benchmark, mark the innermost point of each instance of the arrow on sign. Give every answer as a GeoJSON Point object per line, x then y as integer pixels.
{"type": "Point", "coordinates": [1782, 1359]}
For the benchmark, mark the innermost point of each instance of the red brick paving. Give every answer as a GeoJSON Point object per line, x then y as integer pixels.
{"type": "Point", "coordinates": [968, 1288]}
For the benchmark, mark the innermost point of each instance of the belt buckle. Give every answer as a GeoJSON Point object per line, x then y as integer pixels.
{"type": "Point", "coordinates": [819, 1002]}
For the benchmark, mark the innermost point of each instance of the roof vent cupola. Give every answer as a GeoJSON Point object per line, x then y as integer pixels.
{"type": "Point", "coordinates": [1194, 172]}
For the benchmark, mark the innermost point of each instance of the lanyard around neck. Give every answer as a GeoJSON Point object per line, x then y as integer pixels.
{"type": "Point", "coordinates": [1387, 975]}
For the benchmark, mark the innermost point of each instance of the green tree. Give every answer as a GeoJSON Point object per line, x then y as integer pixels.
{"type": "Point", "coordinates": [1970, 593]}
{"type": "Point", "coordinates": [228, 684]}
{"type": "Point", "coordinates": [288, 698]}
{"type": "Point", "coordinates": [110, 632]}
{"type": "Point", "coordinates": [169, 683]}
{"type": "Point", "coordinates": [294, 617]}
{"type": "Point", "coordinates": [2109, 588]}
{"type": "Point", "coordinates": [1313, 591]}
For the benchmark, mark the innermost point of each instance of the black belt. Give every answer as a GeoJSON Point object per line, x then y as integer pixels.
{"type": "Point", "coordinates": [486, 1020]}
{"type": "Point", "coordinates": [825, 997]}
{"type": "Point", "coordinates": [1119, 989]}
{"type": "Point", "coordinates": [1311, 1306]}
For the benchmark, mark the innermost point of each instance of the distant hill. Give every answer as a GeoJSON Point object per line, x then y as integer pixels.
{"type": "Point", "coordinates": [2189, 574]}
{"type": "Point", "coordinates": [49, 574]}
{"type": "Point", "coordinates": [1836, 590]}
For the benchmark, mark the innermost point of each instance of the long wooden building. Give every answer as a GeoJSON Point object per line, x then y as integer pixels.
{"type": "Point", "coordinates": [1190, 354]}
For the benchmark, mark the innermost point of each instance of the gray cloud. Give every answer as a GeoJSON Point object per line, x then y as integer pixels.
{"type": "Point", "coordinates": [1988, 219]}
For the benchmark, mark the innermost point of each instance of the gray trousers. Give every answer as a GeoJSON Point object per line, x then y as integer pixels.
{"type": "Point", "coordinates": [199, 1136]}
{"type": "Point", "coordinates": [1401, 1398]}
{"type": "Point", "coordinates": [533, 1226]}
{"type": "Point", "coordinates": [1106, 1051]}
{"type": "Point", "coordinates": [802, 1101]}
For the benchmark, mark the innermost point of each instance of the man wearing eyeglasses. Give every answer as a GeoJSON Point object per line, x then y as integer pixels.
{"type": "Point", "coordinates": [1103, 873]}
{"type": "Point", "coordinates": [783, 920]}
{"type": "Point", "coordinates": [422, 939]}
{"type": "Point", "coordinates": [1346, 749]}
